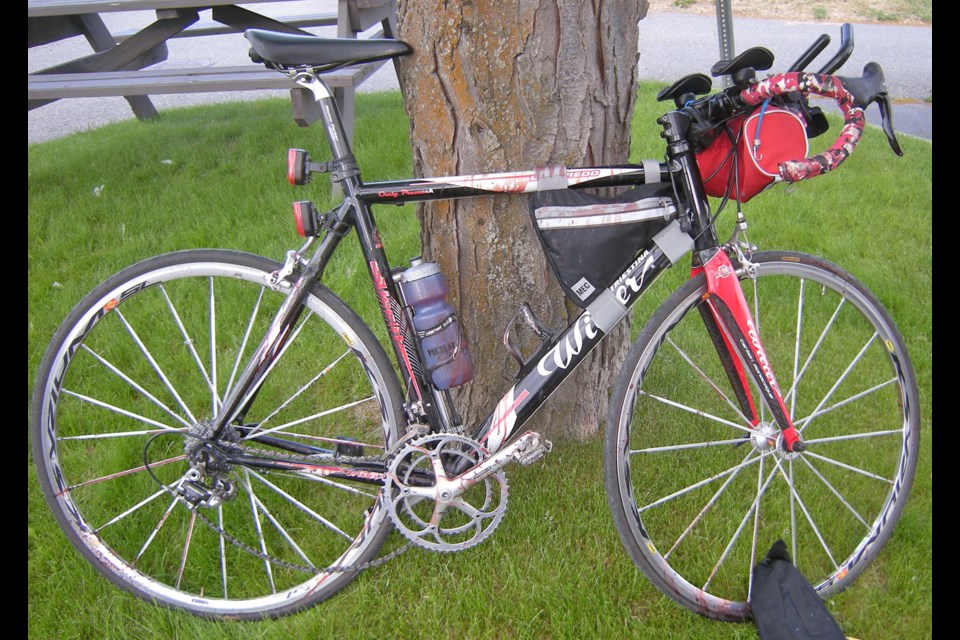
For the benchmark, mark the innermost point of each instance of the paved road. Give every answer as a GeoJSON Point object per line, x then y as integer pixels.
{"type": "Point", "coordinates": [671, 45]}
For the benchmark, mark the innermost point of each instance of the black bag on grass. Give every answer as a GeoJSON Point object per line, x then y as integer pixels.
{"type": "Point", "coordinates": [590, 240]}
{"type": "Point", "coordinates": [785, 605]}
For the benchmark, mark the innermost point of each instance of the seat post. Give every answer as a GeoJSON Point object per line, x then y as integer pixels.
{"type": "Point", "coordinates": [329, 115]}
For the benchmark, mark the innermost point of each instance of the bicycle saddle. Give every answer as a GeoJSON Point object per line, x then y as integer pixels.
{"type": "Point", "coordinates": [294, 50]}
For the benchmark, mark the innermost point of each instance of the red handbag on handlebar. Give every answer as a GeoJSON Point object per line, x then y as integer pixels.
{"type": "Point", "coordinates": [762, 139]}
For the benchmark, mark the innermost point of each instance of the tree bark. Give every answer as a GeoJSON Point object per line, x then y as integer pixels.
{"type": "Point", "coordinates": [500, 85]}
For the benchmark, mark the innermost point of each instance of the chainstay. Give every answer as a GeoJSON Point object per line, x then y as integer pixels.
{"type": "Point", "coordinates": [234, 448]}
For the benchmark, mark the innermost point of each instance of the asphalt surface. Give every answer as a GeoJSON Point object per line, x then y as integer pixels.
{"type": "Point", "coordinates": [671, 45]}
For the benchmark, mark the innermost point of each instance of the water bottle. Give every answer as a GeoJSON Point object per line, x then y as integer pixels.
{"type": "Point", "coordinates": [442, 341]}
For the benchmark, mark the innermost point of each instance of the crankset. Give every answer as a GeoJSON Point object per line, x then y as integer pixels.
{"type": "Point", "coordinates": [467, 496]}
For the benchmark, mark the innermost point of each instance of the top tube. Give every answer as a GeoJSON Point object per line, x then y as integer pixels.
{"type": "Point", "coordinates": [452, 187]}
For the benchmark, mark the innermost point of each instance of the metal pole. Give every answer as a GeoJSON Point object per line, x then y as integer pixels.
{"type": "Point", "coordinates": [725, 29]}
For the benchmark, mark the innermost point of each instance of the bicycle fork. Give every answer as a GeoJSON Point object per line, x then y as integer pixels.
{"type": "Point", "coordinates": [738, 344]}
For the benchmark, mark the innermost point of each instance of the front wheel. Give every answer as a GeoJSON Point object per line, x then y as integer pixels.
{"type": "Point", "coordinates": [126, 394]}
{"type": "Point", "coordinates": [698, 495]}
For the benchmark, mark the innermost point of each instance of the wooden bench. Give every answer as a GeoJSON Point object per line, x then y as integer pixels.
{"type": "Point", "coordinates": [213, 28]}
{"type": "Point", "coordinates": [136, 81]}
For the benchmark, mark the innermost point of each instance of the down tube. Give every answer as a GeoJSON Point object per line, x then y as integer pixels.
{"type": "Point", "coordinates": [564, 355]}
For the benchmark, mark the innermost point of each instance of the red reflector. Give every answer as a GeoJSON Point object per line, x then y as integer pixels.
{"type": "Point", "coordinates": [297, 160]}
{"type": "Point", "coordinates": [298, 212]}
{"type": "Point", "coordinates": [307, 219]}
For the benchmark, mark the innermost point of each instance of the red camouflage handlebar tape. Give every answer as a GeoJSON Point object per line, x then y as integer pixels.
{"type": "Point", "coordinates": [822, 85]}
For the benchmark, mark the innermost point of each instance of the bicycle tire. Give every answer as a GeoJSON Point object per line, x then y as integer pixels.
{"type": "Point", "coordinates": [681, 487]}
{"type": "Point", "coordinates": [151, 351]}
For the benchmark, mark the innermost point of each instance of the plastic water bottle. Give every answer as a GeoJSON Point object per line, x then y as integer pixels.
{"type": "Point", "coordinates": [442, 340]}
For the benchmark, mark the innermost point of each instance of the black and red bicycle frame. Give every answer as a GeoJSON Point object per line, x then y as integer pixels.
{"type": "Point", "coordinates": [728, 317]}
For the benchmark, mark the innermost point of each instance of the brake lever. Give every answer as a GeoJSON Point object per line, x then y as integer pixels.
{"type": "Point", "coordinates": [886, 122]}
{"type": "Point", "coordinates": [870, 88]}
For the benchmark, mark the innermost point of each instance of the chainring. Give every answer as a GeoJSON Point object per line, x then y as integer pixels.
{"type": "Point", "coordinates": [428, 503]}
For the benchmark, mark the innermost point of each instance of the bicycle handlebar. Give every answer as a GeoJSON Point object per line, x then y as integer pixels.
{"type": "Point", "coordinates": [822, 85]}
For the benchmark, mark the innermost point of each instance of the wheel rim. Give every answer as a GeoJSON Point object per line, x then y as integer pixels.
{"type": "Point", "coordinates": [710, 496]}
{"type": "Point", "coordinates": [144, 371]}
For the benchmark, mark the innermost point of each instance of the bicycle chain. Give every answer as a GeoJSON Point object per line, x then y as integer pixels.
{"type": "Point", "coordinates": [277, 561]}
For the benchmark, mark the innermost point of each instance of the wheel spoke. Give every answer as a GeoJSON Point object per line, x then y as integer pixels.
{"type": "Point", "coordinates": [848, 467]}
{"type": "Point", "coordinates": [708, 380]}
{"type": "Point", "coordinates": [120, 474]}
{"type": "Point", "coordinates": [696, 485]}
{"type": "Point", "coordinates": [834, 491]}
{"type": "Point", "coordinates": [821, 410]}
{"type": "Point", "coordinates": [756, 532]}
{"type": "Point", "coordinates": [693, 445]}
{"type": "Point", "coordinates": [155, 366]}
{"type": "Point", "coordinates": [214, 398]}
{"type": "Point", "coordinates": [836, 385]}
{"type": "Point", "coordinates": [259, 428]}
{"type": "Point", "coordinates": [746, 517]}
{"type": "Point", "coordinates": [156, 530]}
{"type": "Point", "coordinates": [186, 546]}
{"type": "Point", "coordinates": [241, 351]}
{"type": "Point", "coordinates": [815, 349]}
{"type": "Point", "coordinates": [809, 517]}
{"type": "Point", "coordinates": [315, 416]}
{"type": "Point", "coordinates": [855, 436]}
{"type": "Point", "coordinates": [160, 492]}
{"type": "Point", "coordinates": [120, 434]}
{"type": "Point", "coordinates": [793, 521]}
{"type": "Point", "coordinates": [188, 342]}
{"type": "Point", "coordinates": [706, 508]}
{"type": "Point", "coordinates": [118, 410]}
{"type": "Point", "coordinates": [698, 412]}
{"type": "Point", "coordinates": [136, 386]}
{"type": "Point", "coordinates": [255, 515]}
{"type": "Point", "coordinates": [302, 507]}
{"type": "Point", "coordinates": [222, 548]}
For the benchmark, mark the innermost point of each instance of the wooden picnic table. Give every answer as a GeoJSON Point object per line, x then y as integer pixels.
{"type": "Point", "coordinates": [120, 63]}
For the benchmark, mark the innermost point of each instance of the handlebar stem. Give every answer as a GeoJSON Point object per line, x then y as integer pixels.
{"type": "Point", "coordinates": [696, 214]}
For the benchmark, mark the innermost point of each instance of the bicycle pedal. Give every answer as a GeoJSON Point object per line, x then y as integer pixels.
{"type": "Point", "coordinates": [537, 449]}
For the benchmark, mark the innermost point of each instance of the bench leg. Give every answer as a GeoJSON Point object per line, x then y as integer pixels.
{"type": "Point", "coordinates": [100, 39]}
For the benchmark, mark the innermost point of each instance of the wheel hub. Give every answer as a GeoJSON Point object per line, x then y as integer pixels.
{"type": "Point", "coordinates": [767, 437]}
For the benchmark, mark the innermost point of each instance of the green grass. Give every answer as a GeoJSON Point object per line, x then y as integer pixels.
{"type": "Point", "coordinates": [215, 177]}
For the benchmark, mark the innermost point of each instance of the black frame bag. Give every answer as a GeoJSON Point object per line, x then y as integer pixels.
{"type": "Point", "coordinates": [590, 240]}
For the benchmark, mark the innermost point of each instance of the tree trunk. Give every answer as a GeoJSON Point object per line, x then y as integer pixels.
{"type": "Point", "coordinates": [512, 85]}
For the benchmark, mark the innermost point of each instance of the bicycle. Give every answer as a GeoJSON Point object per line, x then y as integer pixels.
{"type": "Point", "coordinates": [192, 460]}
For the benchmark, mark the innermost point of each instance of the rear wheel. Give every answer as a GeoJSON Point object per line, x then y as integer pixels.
{"type": "Point", "coordinates": [130, 384]}
{"type": "Point", "coordinates": [699, 496]}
